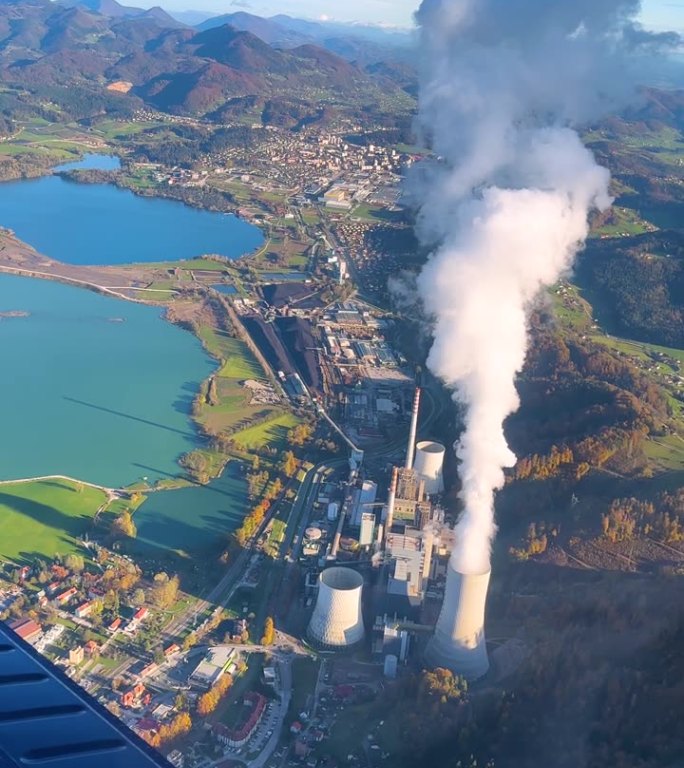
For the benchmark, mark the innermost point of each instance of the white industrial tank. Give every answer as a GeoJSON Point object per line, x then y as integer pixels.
{"type": "Point", "coordinates": [459, 640]}
{"type": "Point", "coordinates": [428, 463]}
{"type": "Point", "coordinates": [337, 621]}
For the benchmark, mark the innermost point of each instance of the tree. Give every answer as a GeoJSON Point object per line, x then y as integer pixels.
{"type": "Point", "coordinates": [289, 464]}
{"type": "Point", "coordinates": [208, 701]}
{"type": "Point", "coordinates": [75, 563]}
{"type": "Point", "coordinates": [138, 597]}
{"type": "Point", "coordinates": [269, 632]}
{"type": "Point", "coordinates": [124, 527]}
{"type": "Point", "coordinates": [164, 593]}
{"type": "Point", "coordinates": [189, 641]}
{"type": "Point", "coordinates": [212, 393]}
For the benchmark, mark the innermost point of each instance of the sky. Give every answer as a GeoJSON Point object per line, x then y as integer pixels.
{"type": "Point", "coordinates": [657, 14]}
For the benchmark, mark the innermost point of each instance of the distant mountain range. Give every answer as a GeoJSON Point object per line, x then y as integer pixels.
{"type": "Point", "coordinates": [176, 68]}
{"type": "Point", "coordinates": [117, 11]}
{"type": "Point", "coordinates": [359, 42]}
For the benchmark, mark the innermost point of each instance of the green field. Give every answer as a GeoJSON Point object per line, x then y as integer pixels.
{"type": "Point", "coordinates": [271, 433]}
{"type": "Point", "coordinates": [44, 518]}
{"type": "Point", "coordinates": [304, 677]}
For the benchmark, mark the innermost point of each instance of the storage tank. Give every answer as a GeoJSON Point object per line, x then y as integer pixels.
{"type": "Point", "coordinates": [337, 621]}
{"type": "Point", "coordinates": [333, 511]}
{"type": "Point", "coordinates": [428, 463]}
{"type": "Point", "coordinates": [459, 640]}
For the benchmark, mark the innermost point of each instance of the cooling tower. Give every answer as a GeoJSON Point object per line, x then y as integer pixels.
{"type": "Point", "coordinates": [459, 640]}
{"type": "Point", "coordinates": [337, 621]}
{"type": "Point", "coordinates": [428, 464]}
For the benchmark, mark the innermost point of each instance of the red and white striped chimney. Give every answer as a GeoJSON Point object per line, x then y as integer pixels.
{"type": "Point", "coordinates": [389, 517]}
{"type": "Point", "coordinates": [410, 452]}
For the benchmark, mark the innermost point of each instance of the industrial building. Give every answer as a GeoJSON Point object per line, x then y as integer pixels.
{"type": "Point", "coordinates": [363, 499]}
{"type": "Point", "coordinates": [410, 560]}
{"type": "Point", "coordinates": [367, 533]}
{"type": "Point", "coordinates": [337, 621]}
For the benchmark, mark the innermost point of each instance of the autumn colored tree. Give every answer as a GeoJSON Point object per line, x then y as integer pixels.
{"type": "Point", "coordinates": [164, 593]}
{"type": "Point", "coordinates": [289, 464]}
{"type": "Point", "coordinates": [269, 632]}
{"type": "Point", "coordinates": [208, 701]}
{"type": "Point", "coordinates": [124, 527]}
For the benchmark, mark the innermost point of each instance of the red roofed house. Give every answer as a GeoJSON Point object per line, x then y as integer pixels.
{"type": "Point", "coordinates": [296, 727]}
{"type": "Point", "coordinates": [83, 610]}
{"type": "Point", "coordinates": [140, 614]}
{"type": "Point", "coordinates": [237, 737]}
{"type": "Point", "coordinates": [91, 648]}
{"type": "Point", "coordinates": [64, 597]}
{"type": "Point", "coordinates": [135, 695]}
{"type": "Point", "coordinates": [115, 624]}
{"type": "Point", "coordinates": [171, 650]}
{"type": "Point", "coordinates": [27, 629]}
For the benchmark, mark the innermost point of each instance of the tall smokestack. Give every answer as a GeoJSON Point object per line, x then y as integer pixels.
{"type": "Point", "coordinates": [389, 517]}
{"type": "Point", "coordinates": [410, 451]}
{"type": "Point", "coordinates": [459, 640]}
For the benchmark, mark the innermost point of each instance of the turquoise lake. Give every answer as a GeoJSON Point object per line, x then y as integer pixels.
{"type": "Point", "coordinates": [102, 224]}
{"type": "Point", "coordinates": [189, 521]}
{"type": "Point", "coordinates": [93, 387]}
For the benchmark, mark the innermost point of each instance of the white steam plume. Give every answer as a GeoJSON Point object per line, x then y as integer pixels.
{"type": "Point", "coordinates": [507, 205]}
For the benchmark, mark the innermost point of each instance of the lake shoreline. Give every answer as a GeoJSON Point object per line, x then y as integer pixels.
{"type": "Point", "coordinates": [181, 479]}
{"type": "Point", "coordinates": [118, 281]}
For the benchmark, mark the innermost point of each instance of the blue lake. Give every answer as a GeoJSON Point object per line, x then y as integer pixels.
{"type": "Point", "coordinates": [102, 224]}
{"type": "Point", "coordinates": [93, 387]}
{"type": "Point", "coordinates": [92, 162]}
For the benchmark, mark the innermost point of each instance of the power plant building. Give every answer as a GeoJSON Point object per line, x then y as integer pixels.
{"type": "Point", "coordinates": [363, 499]}
{"type": "Point", "coordinates": [459, 640]}
{"type": "Point", "coordinates": [367, 529]}
{"type": "Point", "coordinates": [410, 555]}
{"type": "Point", "coordinates": [337, 621]}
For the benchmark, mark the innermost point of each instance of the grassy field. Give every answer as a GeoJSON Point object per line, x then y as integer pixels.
{"type": "Point", "coordinates": [272, 432]}
{"type": "Point", "coordinates": [304, 676]}
{"type": "Point", "coordinates": [43, 518]}
{"type": "Point", "coordinates": [625, 223]}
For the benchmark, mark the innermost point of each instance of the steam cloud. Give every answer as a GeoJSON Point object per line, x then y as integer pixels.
{"type": "Point", "coordinates": [506, 207]}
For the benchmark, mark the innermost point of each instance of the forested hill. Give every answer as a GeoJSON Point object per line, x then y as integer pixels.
{"type": "Point", "coordinates": [60, 50]}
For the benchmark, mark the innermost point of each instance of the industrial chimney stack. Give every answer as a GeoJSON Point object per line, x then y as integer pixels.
{"type": "Point", "coordinates": [389, 517]}
{"type": "Point", "coordinates": [410, 452]}
{"type": "Point", "coordinates": [459, 640]}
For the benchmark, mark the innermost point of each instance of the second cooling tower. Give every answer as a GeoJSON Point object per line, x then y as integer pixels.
{"type": "Point", "coordinates": [428, 463]}
{"type": "Point", "coordinates": [459, 640]}
{"type": "Point", "coordinates": [337, 621]}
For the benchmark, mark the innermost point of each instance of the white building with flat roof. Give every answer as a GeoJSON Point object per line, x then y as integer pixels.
{"type": "Point", "coordinates": [213, 666]}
